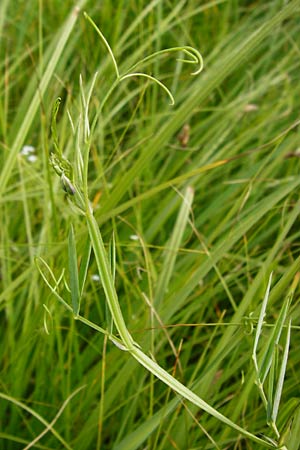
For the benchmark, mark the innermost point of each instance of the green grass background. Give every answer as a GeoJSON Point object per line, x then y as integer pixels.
{"type": "Point", "coordinates": [241, 162]}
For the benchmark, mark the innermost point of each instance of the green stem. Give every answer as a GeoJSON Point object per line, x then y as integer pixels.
{"type": "Point", "coordinates": [185, 392]}
{"type": "Point", "coordinates": [106, 279]}
{"type": "Point", "coordinates": [142, 358]}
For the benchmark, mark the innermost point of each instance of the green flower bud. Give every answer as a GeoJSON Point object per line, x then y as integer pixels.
{"type": "Point", "coordinates": [67, 185]}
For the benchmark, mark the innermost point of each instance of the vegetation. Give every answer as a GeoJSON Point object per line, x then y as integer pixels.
{"type": "Point", "coordinates": [149, 225]}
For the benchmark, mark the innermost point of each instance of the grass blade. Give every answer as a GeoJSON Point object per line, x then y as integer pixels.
{"type": "Point", "coordinates": [280, 381]}
{"type": "Point", "coordinates": [173, 246]}
{"type": "Point", "coordinates": [294, 431]}
{"type": "Point", "coordinates": [3, 8]}
{"type": "Point", "coordinates": [260, 324]}
{"type": "Point", "coordinates": [49, 426]}
{"type": "Point", "coordinates": [275, 335]}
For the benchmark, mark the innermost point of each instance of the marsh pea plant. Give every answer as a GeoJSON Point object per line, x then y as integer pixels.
{"type": "Point", "coordinates": [73, 175]}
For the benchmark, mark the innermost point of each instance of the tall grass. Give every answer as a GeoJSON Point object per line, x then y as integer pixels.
{"type": "Point", "coordinates": [194, 269]}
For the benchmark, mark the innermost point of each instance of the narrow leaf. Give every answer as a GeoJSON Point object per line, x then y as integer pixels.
{"type": "Point", "coordinates": [281, 375]}
{"type": "Point", "coordinates": [53, 125]}
{"type": "Point", "coordinates": [276, 332]}
{"type": "Point", "coordinates": [84, 265]}
{"type": "Point", "coordinates": [260, 323]}
{"type": "Point", "coordinates": [112, 256]}
{"type": "Point", "coordinates": [73, 270]}
{"type": "Point", "coordinates": [271, 384]}
{"type": "Point", "coordinates": [53, 289]}
{"type": "Point", "coordinates": [112, 263]}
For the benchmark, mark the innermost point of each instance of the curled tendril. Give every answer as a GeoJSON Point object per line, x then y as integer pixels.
{"type": "Point", "coordinates": [249, 322]}
{"type": "Point", "coordinates": [47, 319]}
{"type": "Point", "coordinates": [145, 75]}
{"type": "Point", "coordinates": [195, 57]}
{"type": "Point", "coordinates": [72, 180]}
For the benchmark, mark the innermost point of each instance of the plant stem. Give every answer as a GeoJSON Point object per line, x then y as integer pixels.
{"type": "Point", "coordinates": [139, 355]}
{"type": "Point", "coordinates": [106, 279]}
